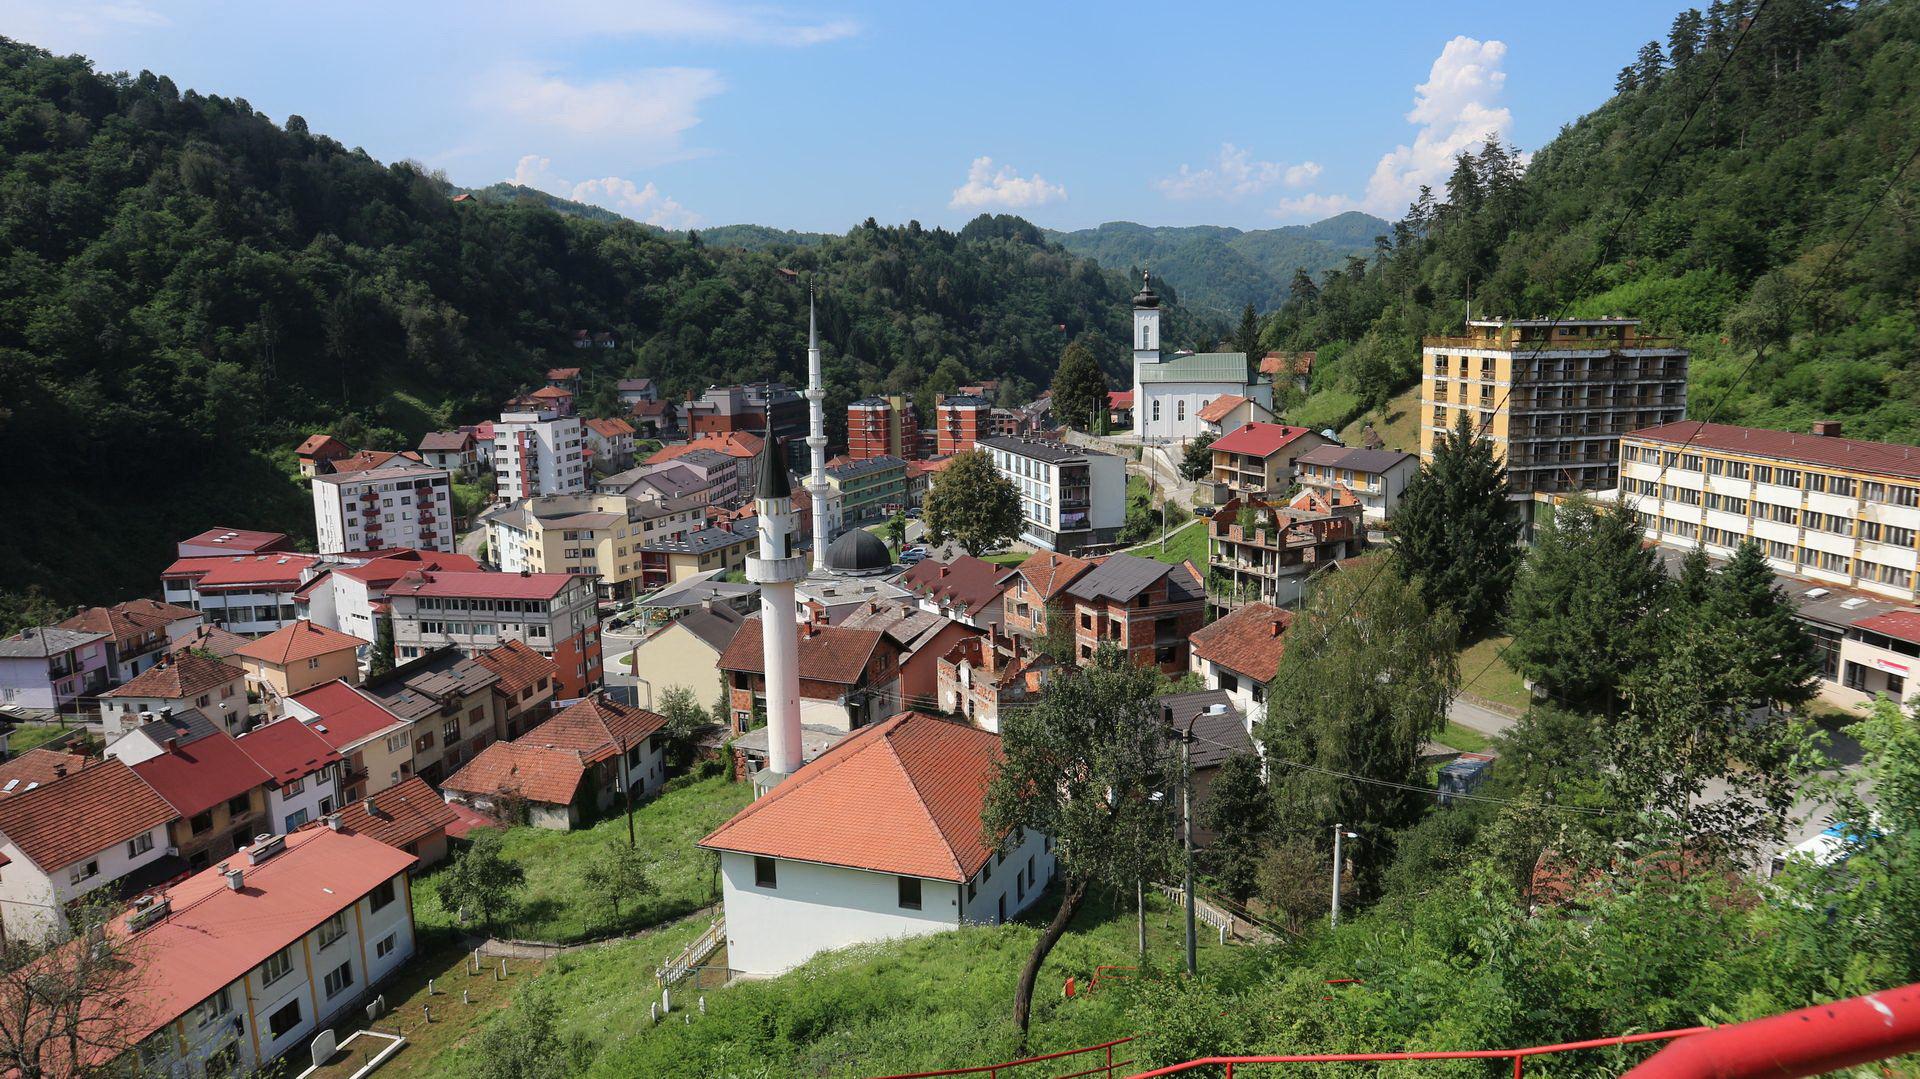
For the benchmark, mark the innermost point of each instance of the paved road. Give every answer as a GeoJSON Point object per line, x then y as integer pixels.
{"type": "Point", "coordinates": [469, 544]}
{"type": "Point", "coordinates": [1471, 715]}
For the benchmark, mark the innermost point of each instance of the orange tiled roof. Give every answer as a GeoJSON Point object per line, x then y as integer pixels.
{"type": "Point", "coordinates": [596, 728]}
{"type": "Point", "coordinates": [827, 654]}
{"type": "Point", "coordinates": [126, 621]}
{"type": "Point", "coordinates": [902, 796]}
{"type": "Point", "coordinates": [37, 768]}
{"type": "Point", "coordinates": [178, 678]}
{"type": "Point", "coordinates": [1048, 573]}
{"type": "Point", "coordinates": [90, 810]}
{"type": "Point", "coordinates": [403, 814]}
{"type": "Point", "coordinates": [1249, 641]}
{"type": "Point", "coordinates": [1218, 408]}
{"type": "Point", "coordinates": [518, 666]}
{"type": "Point", "coordinates": [534, 772]}
{"type": "Point", "coordinates": [297, 641]}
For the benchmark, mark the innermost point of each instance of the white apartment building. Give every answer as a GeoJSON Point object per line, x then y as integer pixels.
{"type": "Point", "coordinates": [1828, 509]}
{"type": "Point", "coordinates": [536, 451]}
{"type": "Point", "coordinates": [248, 594]}
{"type": "Point", "coordinates": [49, 862]}
{"type": "Point", "coordinates": [404, 505]}
{"type": "Point", "coordinates": [1069, 497]}
{"type": "Point", "coordinates": [1376, 478]}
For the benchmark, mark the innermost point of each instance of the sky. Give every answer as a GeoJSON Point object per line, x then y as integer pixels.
{"type": "Point", "coordinates": [815, 116]}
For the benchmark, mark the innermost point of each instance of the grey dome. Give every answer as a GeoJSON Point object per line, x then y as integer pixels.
{"type": "Point", "coordinates": [858, 551]}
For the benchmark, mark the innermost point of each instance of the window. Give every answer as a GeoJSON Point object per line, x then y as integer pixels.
{"type": "Point", "coordinates": [384, 948]}
{"type": "Point", "coordinates": [1856, 677]}
{"type": "Point", "coordinates": [276, 966]}
{"type": "Point", "coordinates": [763, 873]}
{"type": "Point", "coordinates": [139, 845]}
{"type": "Point", "coordinates": [209, 1010]}
{"type": "Point", "coordinates": [1156, 409]}
{"type": "Point", "coordinates": [339, 980]}
{"type": "Point", "coordinates": [285, 1021]}
{"type": "Point", "coordinates": [239, 806]}
{"type": "Point", "coordinates": [381, 896]}
{"type": "Point", "coordinates": [910, 893]}
{"type": "Point", "coordinates": [333, 929]}
{"type": "Point", "coordinates": [1180, 410]}
{"type": "Point", "coordinates": [83, 871]}
{"type": "Point", "coordinates": [295, 819]}
{"type": "Point", "coordinates": [313, 664]}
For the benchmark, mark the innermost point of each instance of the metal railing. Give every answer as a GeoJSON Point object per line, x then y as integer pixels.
{"type": "Point", "coordinates": [1005, 1067]}
{"type": "Point", "coordinates": [1227, 1064]}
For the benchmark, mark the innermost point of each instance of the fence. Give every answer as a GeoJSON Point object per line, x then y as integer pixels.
{"type": "Point", "coordinates": [688, 961]}
{"type": "Point", "coordinates": [994, 1071]}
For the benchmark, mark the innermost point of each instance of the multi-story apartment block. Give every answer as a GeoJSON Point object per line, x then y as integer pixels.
{"type": "Point", "coordinates": [244, 594]}
{"type": "Point", "coordinates": [1553, 396]}
{"type": "Point", "coordinates": [554, 613]}
{"type": "Point", "coordinates": [960, 421]}
{"type": "Point", "coordinates": [753, 409]}
{"type": "Point", "coordinates": [537, 451]}
{"type": "Point", "coordinates": [879, 426]}
{"type": "Point", "coordinates": [346, 596]}
{"type": "Point", "coordinates": [869, 490]}
{"type": "Point", "coordinates": [1070, 497]}
{"type": "Point", "coordinates": [598, 535]}
{"type": "Point", "coordinates": [1825, 508]}
{"type": "Point", "coordinates": [48, 667]}
{"type": "Point", "coordinates": [1267, 552]}
{"type": "Point", "coordinates": [402, 505]}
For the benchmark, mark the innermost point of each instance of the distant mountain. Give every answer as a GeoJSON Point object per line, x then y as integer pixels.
{"type": "Point", "coordinates": [1224, 269]}
{"type": "Point", "coordinates": [508, 194]}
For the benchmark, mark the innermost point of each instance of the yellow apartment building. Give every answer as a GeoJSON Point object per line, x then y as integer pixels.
{"type": "Point", "coordinates": [595, 534]}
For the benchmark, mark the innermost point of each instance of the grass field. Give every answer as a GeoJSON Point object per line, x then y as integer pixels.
{"type": "Point", "coordinates": [1484, 675]}
{"type": "Point", "coordinates": [1187, 542]}
{"type": "Point", "coordinates": [1465, 739]}
{"type": "Point", "coordinates": [925, 1003]}
{"type": "Point", "coordinates": [1397, 424]}
{"type": "Point", "coordinates": [555, 906]}
{"type": "Point", "coordinates": [1007, 558]}
{"type": "Point", "coordinates": [25, 737]}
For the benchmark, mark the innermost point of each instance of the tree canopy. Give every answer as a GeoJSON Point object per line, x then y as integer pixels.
{"type": "Point", "coordinates": [972, 503]}
{"type": "Point", "coordinates": [1455, 533]}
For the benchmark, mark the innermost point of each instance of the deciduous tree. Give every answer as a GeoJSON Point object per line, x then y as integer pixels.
{"type": "Point", "coordinates": [972, 503]}
{"type": "Point", "coordinates": [65, 996]}
{"type": "Point", "coordinates": [482, 878]}
{"type": "Point", "coordinates": [615, 873]}
{"type": "Point", "coordinates": [1196, 460]}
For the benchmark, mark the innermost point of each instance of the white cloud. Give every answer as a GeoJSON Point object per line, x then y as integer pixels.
{"type": "Point", "coordinates": [987, 186]}
{"type": "Point", "coordinates": [1456, 108]}
{"type": "Point", "coordinates": [653, 107]}
{"type": "Point", "coordinates": [695, 20]}
{"type": "Point", "coordinates": [1313, 207]}
{"type": "Point", "coordinates": [622, 196]}
{"type": "Point", "coordinates": [1235, 174]}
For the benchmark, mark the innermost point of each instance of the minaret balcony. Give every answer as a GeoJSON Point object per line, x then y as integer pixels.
{"type": "Point", "coordinates": [789, 570]}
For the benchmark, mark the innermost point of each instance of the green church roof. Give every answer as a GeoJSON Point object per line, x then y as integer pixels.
{"type": "Point", "coordinates": [1198, 367]}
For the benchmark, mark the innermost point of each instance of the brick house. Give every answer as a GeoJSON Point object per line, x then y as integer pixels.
{"type": "Point", "coordinates": [1146, 608]}
{"type": "Point", "coordinates": [848, 677]}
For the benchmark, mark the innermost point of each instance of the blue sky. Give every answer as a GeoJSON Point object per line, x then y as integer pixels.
{"type": "Point", "coordinates": [815, 116]}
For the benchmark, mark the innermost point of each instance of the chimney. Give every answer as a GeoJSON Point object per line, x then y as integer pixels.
{"type": "Point", "coordinates": [265, 845]}
{"type": "Point", "coordinates": [1273, 630]}
{"type": "Point", "coordinates": [524, 572]}
{"type": "Point", "coordinates": [166, 713]}
{"type": "Point", "coordinates": [59, 771]}
{"type": "Point", "coordinates": [146, 716]}
{"type": "Point", "coordinates": [943, 571]}
{"type": "Point", "coordinates": [333, 821]}
{"type": "Point", "coordinates": [1827, 428]}
{"type": "Point", "coordinates": [236, 879]}
{"type": "Point", "coordinates": [172, 746]}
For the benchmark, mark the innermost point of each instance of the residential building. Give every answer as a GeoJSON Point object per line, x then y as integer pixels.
{"type": "Point", "coordinates": [1219, 733]}
{"type": "Point", "coordinates": [368, 460]}
{"type": "Point", "coordinates": [409, 816]}
{"type": "Point", "coordinates": [448, 701]}
{"type": "Point", "coordinates": [610, 444]}
{"type": "Point", "coordinates": [406, 505]}
{"type": "Point", "coordinates": [49, 667]}
{"type": "Point", "coordinates": [217, 792]}
{"type": "Point", "coordinates": [1376, 478]}
{"type": "Point", "coordinates": [597, 535]}
{"type": "Point", "coordinates": [882, 426]}
{"type": "Point", "coordinates": [634, 391]}
{"type": "Point", "coordinates": [376, 744]}
{"type": "Point", "coordinates": [801, 875]}
{"type": "Point", "coordinates": [848, 677]}
{"type": "Point", "coordinates": [982, 675]}
{"type": "Point", "coordinates": [1258, 459]}
{"type": "Point", "coordinates": [1037, 594]}
{"type": "Point", "coordinates": [1289, 368]}
{"type": "Point", "coordinates": [565, 378]}
{"type": "Point", "coordinates": [243, 963]}
{"type": "Point", "coordinates": [685, 654]}
{"type": "Point", "coordinates": [95, 826]}
{"type": "Point", "coordinates": [717, 469]}
{"type": "Point", "coordinates": [584, 760]}
{"type": "Point", "coordinates": [1268, 552]}
{"type": "Point", "coordinates": [554, 613]}
{"type": "Point", "coordinates": [295, 658]}
{"type": "Point", "coordinates": [669, 482]}
{"type": "Point", "coordinates": [959, 422]}
{"type": "Point", "coordinates": [1839, 511]}
{"type": "Point", "coordinates": [155, 731]}
{"type": "Point", "coordinates": [679, 558]}
{"type": "Point", "coordinates": [869, 490]}
{"type": "Point", "coordinates": [755, 408]}
{"type": "Point", "coordinates": [482, 433]}
{"type": "Point", "coordinates": [213, 641]}
{"type": "Point", "coordinates": [1119, 409]}
{"type": "Point", "coordinates": [318, 452]}
{"type": "Point", "coordinates": [352, 594]}
{"type": "Point", "coordinates": [1231, 412]}
{"type": "Point", "coordinates": [245, 594]}
{"type": "Point", "coordinates": [968, 590]}
{"type": "Point", "coordinates": [1170, 391]}
{"type": "Point", "coordinates": [655, 419]}
{"type": "Point", "coordinates": [524, 687]}
{"type": "Point", "coordinates": [1553, 396]}
{"type": "Point", "coordinates": [1145, 608]}
{"type": "Point", "coordinates": [224, 541]}
{"type": "Point", "coordinates": [137, 634]}
{"type": "Point", "coordinates": [922, 638]}
{"type": "Point", "coordinates": [36, 768]}
{"type": "Point", "coordinates": [303, 773]}
{"type": "Point", "coordinates": [1070, 498]}
{"type": "Point", "coordinates": [216, 689]}
{"type": "Point", "coordinates": [1239, 655]}
{"type": "Point", "coordinates": [537, 451]}
{"type": "Point", "coordinates": [451, 450]}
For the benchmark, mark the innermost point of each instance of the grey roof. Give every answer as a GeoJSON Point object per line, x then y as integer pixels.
{"type": "Point", "coordinates": [1196, 367]}
{"type": "Point", "coordinates": [1119, 577]}
{"type": "Point", "coordinates": [186, 724]}
{"type": "Point", "coordinates": [699, 588]}
{"type": "Point", "coordinates": [964, 400]}
{"type": "Point", "coordinates": [385, 472]}
{"type": "Point", "coordinates": [415, 688]}
{"type": "Point", "coordinates": [814, 740]}
{"type": "Point", "coordinates": [40, 642]}
{"type": "Point", "coordinates": [880, 463]}
{"type": "Point", "coordinates": [1831, 605]}
{"type": "Point", "coordinates": [1359, 460]}
{"type": "Point", "coordinates": [705, 458]}
{"type": "Point", "coordinates": [445, 441]}
{"type": "Point", "coordinates": [910, 626]}
{"type": "Point", "coordinates": [646, 509]}
{"type": "Point", "coordinates": [700, 542]}
{"type": "Point", "coordinates": [714, 623]}
{"type": "Point", "coordinates": [858, 551]}
{"type": "Point", "coordinates": [634, 384]}
{"type": "Point", "coordinates": [1041, 449]}
{"type": "Point", "coordinates": [674, 481]}
{"type": "Point", "coordinates": [1216, 735]}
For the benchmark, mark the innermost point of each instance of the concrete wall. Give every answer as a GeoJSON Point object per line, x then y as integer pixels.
{"type": "Point", "coordinates": [814, 908]}
{"type": "Point", "coordinates": [31, 897]}
{"type": "Point", "coordinates": [676, 657]}
{"type": "Point", "coordinates": [1017, 879]}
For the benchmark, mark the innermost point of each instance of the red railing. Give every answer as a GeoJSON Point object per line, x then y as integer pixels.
{"type": "Point", "coordinates": [994, 1071]}
{"type": "Point", "coordinates": [1518, 1056]}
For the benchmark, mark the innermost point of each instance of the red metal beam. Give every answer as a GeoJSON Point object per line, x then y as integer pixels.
{"type": "Point", "coordinates": [1823, 1038]}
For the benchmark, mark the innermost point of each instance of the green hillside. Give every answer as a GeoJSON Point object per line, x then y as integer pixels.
{"type": "Point", "coordinates": [1224, 269]}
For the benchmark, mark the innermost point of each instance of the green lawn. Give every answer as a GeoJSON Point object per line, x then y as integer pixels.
{"type": "Point", "coordinates": [1397, 423]}
{"type": "Point", "coordinates": [1484, 675]}
{"type": "Point", "coordinates": [1007, 558]}
{"type": "Point", "coordinates": [925, 1003]}
{"type": "Point", "coordinates": [26, 737]}
{"type": "Point", "coordinates": [1464, 739]}
{"type": "Point", "coordinates": [554, 906]}
{"type": "Point", "coordinates": [1186, 542]}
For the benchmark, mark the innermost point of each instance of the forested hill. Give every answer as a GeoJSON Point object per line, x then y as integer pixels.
{"type": "Point", "coordinates": [1766, 225]}
{"type": "Point", "coordinates": [1224, 269]}
{"type": "Point", "coordinates": [186, 289]}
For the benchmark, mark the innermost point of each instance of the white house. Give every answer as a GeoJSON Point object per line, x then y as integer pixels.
{"type": "Point", "coordinates": [1169, 392]}
{"type": "Point", "coordinates": [1376, 478]}
{"type": "Point", "coordinates": [801, 875]}
{"type": "Point", "coordinates": [537, 451]}
{"type": "Point", "coordinates": [90, 827]}
{"type": "Point", "coordinates": [244, 962]}
{"type": "Point", "coordinates": [305, 769]}
{"type": "Point", "coordinates": [1240, 653]}
{"type": "Point", "coordinates": [218, 690]}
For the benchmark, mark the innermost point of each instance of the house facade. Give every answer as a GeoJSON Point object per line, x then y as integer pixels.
{"type": "Point", "coordinates": [1375, 478]}
{"type": "Point", "coordinates": [537, 451]}
{"type": "Point", "coordinates": [1070, 497]}
{"type": "Point", "coordinates": [1268, 552]}
{"type": "Point", "coordinates": [218, 690]}
{"type": "Point", "coordinates": [1258, 459]}
{"type": "Point", "coordinates": [50, 863]}
{"type": "Point", "coordinates": [848, 677]}
{"type": "Point", "coordinates": [49, 667]}
{"type": "Point", "coordinates": [555, 614]}
{"type": "Point", "coordinates": [1147, 609]}
{"type": "Point", "coordinates": [1239, 655]}
{"type": "Point", "coordinates": [403, 504]}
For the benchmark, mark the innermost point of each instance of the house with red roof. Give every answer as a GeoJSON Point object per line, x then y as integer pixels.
{"type": "Point", "coordinates": [303, 772]}
{"type": "Point", "coordinates": [409, 816]}
{"type": "Point", "coordinates": [1257, 458]}
{"type": "Point", "coordinates": [217, 792]}
{"type": "Point", "coordinates": [526, 684]}
{"type": "Point", "coordinates": [1268, 552]}
{"type": "Point", "coordinates": [137, 633]}
{"type": "Point", "coordinates": [584, 760]}
{"type": "Point", "coordinates": [611, 442]}
{"type": "Point", "coordinates": [318, 452]}
{"type": "Point", "coordinates": [298, 656]}
{"type": "Point", "coordinates": [1120, 409]}
{"type": "Point", "coordinates": [91, 828]}
{"type": "Point", "coordinates": [375, 742]}
{"type": "Point", "coordinates": [349, 595]}
{"type": "Point", "coordinates": [1239, 654]}
{"type": "Point", "coordinates": [877, 839]}
{"type": "Point", "coordinates": [1229, 412]}
{"type": "Point", "coordinates": [245, 593]}
{"type": "Point", "coordinates": [848, 677]}
{"type": "Point", "coordinates": [218, 690]}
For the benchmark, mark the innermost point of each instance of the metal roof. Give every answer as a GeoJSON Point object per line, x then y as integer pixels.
{"type": "Point", "coordinates": [1196, 367]}
{"type": "Point", "coordinates": [1119, 576]}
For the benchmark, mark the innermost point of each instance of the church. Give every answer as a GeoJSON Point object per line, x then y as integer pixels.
{"type": "Point", "coordinates": [1170, 391]}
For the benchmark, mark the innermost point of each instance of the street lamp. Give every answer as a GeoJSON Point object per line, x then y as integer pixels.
{"type": "Point", "coordinates": [1339, 833]}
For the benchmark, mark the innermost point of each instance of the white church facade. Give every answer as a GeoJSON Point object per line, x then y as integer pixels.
{"type": "Point", "coordinates": [1170, 390]}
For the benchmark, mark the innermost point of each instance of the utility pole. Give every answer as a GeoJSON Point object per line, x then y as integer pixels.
{"type": "Point", "coordinates": [1186, 831]}
{"type": "Point", "coordinates": [1339, 832]}
{"type": "Point", "coordinates": [1140, 913]}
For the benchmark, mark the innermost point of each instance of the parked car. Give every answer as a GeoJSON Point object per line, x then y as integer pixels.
{"type": "Point", "coordinates": [913, 556]}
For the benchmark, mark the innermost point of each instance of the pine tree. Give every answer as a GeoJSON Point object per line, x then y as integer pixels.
{"type": "Point", "coordinates": [1302, 287]}
{"type": "Point", "coordinates": [1650, 64]}
{"type": "Point", "coordinates": [1246, 340]}
{"type": "Point", "coordinates": [1080, 389]}
{"type": "Point", "coordinates": [1694, 586]}
{"type": "Point", "coordinates": [1683, 40]}
{"type": "Point", "coordinates": [1455, 534]}
{"type": "Point", "coordinates": [1772, 659]}
{"type": "Point", "coordinates": [380, 658]}
{"type": "Point", "coordinates": [1239, 813]}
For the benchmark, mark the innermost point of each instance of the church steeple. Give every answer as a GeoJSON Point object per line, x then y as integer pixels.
{"type": "Point", "coordinates": [1146, 322]}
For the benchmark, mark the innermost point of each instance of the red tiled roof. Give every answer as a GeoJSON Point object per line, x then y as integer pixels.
{"type": "Point", "coordinates": [1119, 399]}
{"type": "Point", "coordinates": [534, 772]}
{"type": "Point", "coordinates": [126, 621]}
{"type": "Point", "coordinates": [1048, 573]}
{"type": "Point", "coordinates": [204, 638]}
{"type": "Point", "coordinates": [403, 814]}
{"type": "Point", "coordinates": [732, 443]}
{"type": "Point", "coordinates": [1218, 408]}
{"type": "Point", "coordinates": [610, 428]}
{"type": "Point", "coordinates": [903, 796]}
{"type": "Point", "coordinates": [562, 374]}
{"type": "Point", "coordinates": [393, 565]}
{"type": "Point", "coordinates": [314, 444]}
{"type": "Point", "coordinates": [968, 581]}
{"type": "Point", "coordinates": [1247, 642]}
{"type": "Point", "coordinates": [828, 654]}
{"type": "Point", "coordinates": [1291, 363]}
{"type": "Point", "coordinates": [1831, 451]}
{"type": "Point", "coordinates": [178, 678]}
{"type": "Point", "coordinates": [366, 460]}
{"type": "Point", "coordinates": [519, 667]}
{"type": "Point", "coordinates": [484, 585]}
{"type": "Point", "coordinates": [1258, 439]}
{"type": "Point", "coordinates": [90, 810]}
{"type": "Point", "coordinates": [288, 750]}
{"type": "Point", "coordinates": [595, 728]}
{"type": "Point", "coordinates": [202, 773]}
{"type": "Point", "coordinates": [297, 641]}
{"type": "Point", "coordinates": [37, 768]}
{"type": "Point", "coordinates": [240, 540]}
{"type": "Point", "coordinates": [285, 568]}
{"type": "Point", "coordinates": [344, 716]}
{"type": "Point", "coordinates": [1900, 625]}
{"type": "Point", "coordinates": [551, 393]}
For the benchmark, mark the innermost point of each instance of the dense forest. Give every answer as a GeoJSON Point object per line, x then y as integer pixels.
{"type": "Point", "coordinates": [1224, 269]}
{"type": "Point", "coordinates": [187, 289]}
{"type": "Point", "coordinates": [1740, 198]}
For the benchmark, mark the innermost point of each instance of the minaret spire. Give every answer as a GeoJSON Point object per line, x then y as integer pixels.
{"type": "Point", "coordinates": [776, 570]}
{"type": "Point", "coordinates": [816, 439]}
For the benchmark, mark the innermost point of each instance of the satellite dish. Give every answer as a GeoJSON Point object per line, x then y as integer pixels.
{"type": "Point", "coordinates": [1328, 434]}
